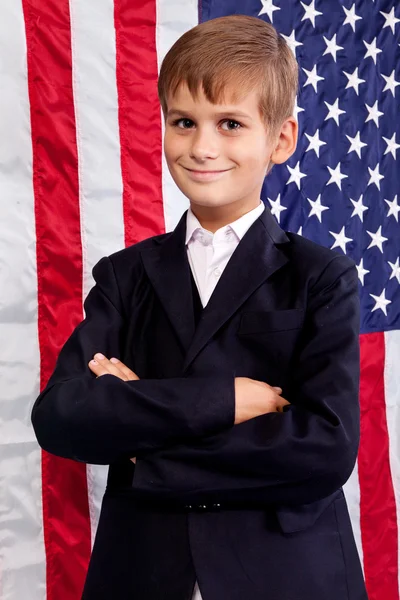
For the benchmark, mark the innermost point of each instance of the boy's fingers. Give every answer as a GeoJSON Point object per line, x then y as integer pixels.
{"type": "Point", "coordinates": [102, 366]}
{"type": "Point", "coordinates": [96, 368]}
{"type": "Point", "coordinates": [282, 402]}
{"type": "Point", "coordinates": [124, 369]}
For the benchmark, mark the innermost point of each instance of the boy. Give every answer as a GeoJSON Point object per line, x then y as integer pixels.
{"type": "Point", "coordinates": [225, 399]}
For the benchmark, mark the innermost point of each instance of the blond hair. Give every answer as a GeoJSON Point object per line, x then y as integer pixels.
{"type": "Point", "coordinates": [238, 52]}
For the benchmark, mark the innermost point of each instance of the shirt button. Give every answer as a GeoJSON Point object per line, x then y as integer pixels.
{"type": "Point", "coordinates": [217, 272]}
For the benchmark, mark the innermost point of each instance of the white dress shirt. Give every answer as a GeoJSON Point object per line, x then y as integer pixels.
{"type": "Point", "coordinates": [208, 255]}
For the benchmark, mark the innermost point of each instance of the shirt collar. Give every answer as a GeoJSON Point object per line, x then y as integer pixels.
{"type": "Point", "coordinates": [240, 226]}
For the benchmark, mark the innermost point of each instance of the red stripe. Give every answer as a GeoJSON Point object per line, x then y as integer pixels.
{"type": "Point", "coordinates": [377, 500]}
{"type": "Point", "coordinates": [139, 118]}
{"type": "Point", "coordinates": [59, 264]}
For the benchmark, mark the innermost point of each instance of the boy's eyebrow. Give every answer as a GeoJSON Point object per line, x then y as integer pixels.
{"type": "Point", "coordinates": [227, 113]}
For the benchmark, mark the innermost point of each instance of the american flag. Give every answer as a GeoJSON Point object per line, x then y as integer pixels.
{"type": "Point", "coordinates": [82, 175]}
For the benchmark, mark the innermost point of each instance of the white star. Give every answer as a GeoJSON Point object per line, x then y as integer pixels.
{"type": "Point", "coordinates": [340, 240]}
{"type": "Point", "coordinates": [310, 12]}
{"type": "Point", "coordinates": [351, 16]}
{"type": "Point", "coordinates": [394, 208]}
{"type": "Point", "coordinates": [374, 113]}
{"type": "Point", "coordinates": [291, 41]}
{"type": "Point", "coordinates": [312, 77]}
{"type": "Point", "coordinates": [331, 47]}
{"type": "Point", "coordinates": [297, 109]}
{"type": "Point", "coordinates": [391, 145]}
{"type": "Point", "coordinates": [300, 231]}
{"type": "Point", "coordinates": [268, 9]}
{"type": "Point", "coordinates": [315, 142]}
{"type": "Point", "coordinates": [276, 207]}
{"type": "Point", "coordinates": [356, 144]}
{"type": "Point", "coordinates": [359, 208]}
{"type": "Point", "coordinates": [295, 175]}
{"type": "Point", "coordinates": [317, 208]}
{"type": "Point", "coordinates": [391, 83]}
{"type": "Point", "coordinates": [354, 80]}
{"type": "Point", "coordinates": [375, 176]}
{"type": "Point", "coordinates": [334, 111]}
{"type": "Point", "coordinates": [395, 270]}
{"type": "Point", "coordinates": [381, 302]}
{"type": "Point", "coordinates": [372, 50]}
{"type": "Point", "coordinates": [391, 20]}
{"type": "Point", "coordinates": [361, 271]}
{"type": "Point", "coordinates": [377, 239]}
{"type": "Point", "coordinates": [336, 176]}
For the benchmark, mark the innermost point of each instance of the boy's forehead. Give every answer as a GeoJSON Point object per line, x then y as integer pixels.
{"type": "Point", "coordinates": [231, 101]}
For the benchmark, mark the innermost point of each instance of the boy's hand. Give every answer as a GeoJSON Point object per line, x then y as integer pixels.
{"type": "Point", "coordinates": [255, 398]}
{"type": "Point", "coordinates": [102, 366]}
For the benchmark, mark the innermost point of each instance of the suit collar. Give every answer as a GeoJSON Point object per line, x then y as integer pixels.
{"type": "Point", "coordinates": [255, 259]}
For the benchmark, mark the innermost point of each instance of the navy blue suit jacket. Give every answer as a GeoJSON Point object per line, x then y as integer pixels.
{"type": "Point", "coordinates": [254, 511]}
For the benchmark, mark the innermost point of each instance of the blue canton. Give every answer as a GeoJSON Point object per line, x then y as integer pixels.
{"type": "Point", "coordinates": [341, 188]}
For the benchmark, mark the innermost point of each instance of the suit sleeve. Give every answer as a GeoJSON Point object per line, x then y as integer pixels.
{"type": "Point", "coordinates": [301, 455]}
{"type": "Point", "coordinates": [101, 420]}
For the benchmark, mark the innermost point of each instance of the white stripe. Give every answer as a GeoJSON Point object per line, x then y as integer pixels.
{"type": "Point", "coordinates": [22, 555]}
{"type": "Point", "coordinates": [352, 492]}
{"type": "Point", "coordinates": [392, 397]}
{"type": "Point", "coordinates": [100, 180]}
{"type": "Point", "coordinates": [174, 17]}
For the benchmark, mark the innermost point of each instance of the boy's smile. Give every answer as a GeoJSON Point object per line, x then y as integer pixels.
{"type": "Point", "coordinates": [218, 154]}
{"type": "Point", "coordinates": [203, 175]}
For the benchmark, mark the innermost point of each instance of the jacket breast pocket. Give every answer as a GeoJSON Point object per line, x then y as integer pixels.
{"type": "Point", "coordinates": [259, 321]}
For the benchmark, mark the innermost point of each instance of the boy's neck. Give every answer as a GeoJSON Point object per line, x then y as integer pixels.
{"type": "Point", "coordinates": [213, 218]}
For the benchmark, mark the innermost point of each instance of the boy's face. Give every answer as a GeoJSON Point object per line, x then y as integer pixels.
{"type": "Point", "coordinates": [228, 139]}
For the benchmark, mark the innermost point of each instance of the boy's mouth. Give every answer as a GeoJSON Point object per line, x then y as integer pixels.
{"type": "Point", "coordinates": [206, 175]}
{"type": "Point", "coordinates": [201, 171]}
{"type": "Point", "coordinates": [200, 175]}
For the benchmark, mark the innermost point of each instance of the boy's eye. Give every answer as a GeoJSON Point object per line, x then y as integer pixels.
{"type": "Point", "coordinates": [189, 122]}
{"type": "Point", "coordinates": [175, 123]}
{"type": "Point", "coordinates": [235, 122]}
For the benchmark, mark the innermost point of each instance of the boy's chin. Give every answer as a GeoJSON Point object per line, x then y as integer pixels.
{"type": "Point", "coordinates": [211, 202]}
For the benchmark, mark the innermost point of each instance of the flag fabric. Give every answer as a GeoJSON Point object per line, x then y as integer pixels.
{"type": "Point", "coordinates": [82, 175]}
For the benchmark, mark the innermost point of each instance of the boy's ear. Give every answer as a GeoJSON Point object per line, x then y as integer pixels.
{"type": "Point", "coordinates": [286, 142]}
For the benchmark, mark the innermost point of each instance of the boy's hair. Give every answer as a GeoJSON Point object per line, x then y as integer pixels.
{"type": "Point", "coordinates": [238, 52]}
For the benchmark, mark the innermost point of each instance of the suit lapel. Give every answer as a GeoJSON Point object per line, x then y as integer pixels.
{"type": "Point", "coordinates": [168, 270]}
{"type": "Point", "coordinates": [254, 260]}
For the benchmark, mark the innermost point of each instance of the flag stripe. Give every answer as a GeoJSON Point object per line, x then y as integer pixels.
{"type": "Point", "coordinates": [100, 179]}
{"type": "Point", "coordinates": [59, 263]}
{"type": "Point", "coordinates": [139, 118]}
{"type": "Point", "coordinates": [377, 502]}
{"type": "Point", "coordinates": [174, 17]}
{"type": "Point", "coordinates": [352, 492]}
{"type": "Point", "coordinates": [22, 555]}
{"type": "Point", "coordinates": [392, 396]}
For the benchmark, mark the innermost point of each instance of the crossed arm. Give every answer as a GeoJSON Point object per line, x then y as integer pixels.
{"type": "Point", "coordinates": [252, 398]}
{"type": "Point", "coordinates": [301, 455]}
